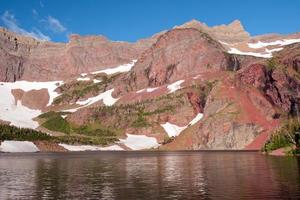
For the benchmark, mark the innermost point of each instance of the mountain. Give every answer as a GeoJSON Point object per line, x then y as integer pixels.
{"type": "Point", "coordinates": [191, 87]}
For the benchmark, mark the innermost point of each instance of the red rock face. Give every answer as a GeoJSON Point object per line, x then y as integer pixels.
{"type": "Point", "coordinates": [279, 86]}
{"type": "Point", "coordinates": [196, 102]}
{"type": "Point", "coordinates": [28, 59]}
{"type": "Point", "coordinates": [244, 102]}
{"type": "Point", "coordinates": [254, 75]}
{"type": "Point", "coordinates": [177, 54]}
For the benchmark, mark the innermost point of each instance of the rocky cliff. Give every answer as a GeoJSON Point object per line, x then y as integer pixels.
{"type": "Point", "coordinates": [192, 87]}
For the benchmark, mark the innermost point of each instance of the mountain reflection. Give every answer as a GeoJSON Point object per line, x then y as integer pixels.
{"type": "Point", "coordinates": [148, 175]}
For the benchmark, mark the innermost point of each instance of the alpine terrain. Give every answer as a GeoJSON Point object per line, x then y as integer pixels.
{"type": "Point", "coordinates": [192, 87]}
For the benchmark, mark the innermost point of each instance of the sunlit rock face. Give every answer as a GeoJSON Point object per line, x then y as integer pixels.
{"type": "Point", "coordinates": [191, 87]}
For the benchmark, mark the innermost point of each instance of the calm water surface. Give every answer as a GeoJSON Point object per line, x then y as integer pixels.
{"type": "Point", "coordinates": [149, 175]}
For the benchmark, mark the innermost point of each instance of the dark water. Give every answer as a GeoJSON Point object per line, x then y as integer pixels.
{"type": "Point", "coordinates": [149, 175]}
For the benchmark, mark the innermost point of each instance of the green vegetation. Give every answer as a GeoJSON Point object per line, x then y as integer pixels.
{"type": "Point", "coordinates": [272, 64]}
{"type": "Point", "coordinates": [8, 132]}
{"type": "Point", "coordinates": [57, 123]}
{"type": "Point", "coordinates": [139, 114]}
{"type": "Point", "coordinates": [140, 122]}
{"type": "Point", "coordinates": [75, 90]}
{"type": "Point", "coordinates": [87, 134]}
{"type": "Point", "coordinates": [276, 142]}
{"type": "Point", "coordinates": [286, 136]}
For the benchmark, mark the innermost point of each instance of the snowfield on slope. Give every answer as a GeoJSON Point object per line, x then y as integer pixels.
{"type": "Point", "coordinates": [173, 130]}
{"type": "Point", "coordinates": [119, 69]}
{"type": "Point", "coordinates": [139, 142]}
{"type": "Point", "coordinates": [147, 90]}
{"type": "Point", "coordinates": [283, 42]}
{"type": "Point", "coordinates": [83, 79]}
{"type": "Point", "coordinates": [175, 86]}
{"type": "Point", "coordinates": [91, 148]}
{"type": "Point", "coordinates": [14, 112]}
{"type": "Point", "coordinates": [236, 51]}
{"type": "Point", "coordinates": [18, 146]}
{"type": "Point", "coordinates": [106, 97]}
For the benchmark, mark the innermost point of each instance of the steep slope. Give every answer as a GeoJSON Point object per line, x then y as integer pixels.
{"type": "Point", "coordinates": [28, 59]}
{"type": "Point", "coordinates": [231, 33]}
{"type": "Point", "coordinates": [192, 87]}
{"type": "Point", "coordinates": [177, 55]}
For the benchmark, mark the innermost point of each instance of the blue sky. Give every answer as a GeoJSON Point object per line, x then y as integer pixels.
{"type": "Point", "coordinates": [130, 20]}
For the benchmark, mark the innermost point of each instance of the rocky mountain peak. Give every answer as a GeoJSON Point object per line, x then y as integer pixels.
{"type": "Point", "coordinates": [231, 33]}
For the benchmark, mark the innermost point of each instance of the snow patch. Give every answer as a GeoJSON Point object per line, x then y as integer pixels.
{"type": "Point", "coordinates": [96, 81]}
{"type": "Point", "coordinates": [106, 97]}
{"type": "Point", "coordinates": [91, 148]}
{"type": "Point", "coordinates": [27, 86]}
{"type": "Point", "coordinates": [284, 42]}
{"type": "Point", "coordinates": [198, 117]}
{"type": "Point", "coordinates": [175, 86]}
{"type": "Point", "coordinates": [236, 51]}
{"type": "Point", "coordinates": [139, 142]}
{"type": "Point", "coordinates": [119, 69]}
{"type": "Point", "coordinates": [174, 130]}
{"type": "Point", "coordinates": [83, 79]}
{"type": "Point", "coordinates": [147, 90]}
{"type": "Point", "coordinates": [64, 116]}
{"type": "Point", "coordinates": [225, 43]}
{"type": "Point", "coordinates": [18, 146]}
{"type": "Point", "coordinates": [273, 50]}
{"type": "Point", "coordinates": [17, 114]}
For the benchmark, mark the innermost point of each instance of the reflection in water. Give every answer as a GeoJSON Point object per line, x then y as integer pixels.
{"type": "Point", "coordinates": [148, 175]}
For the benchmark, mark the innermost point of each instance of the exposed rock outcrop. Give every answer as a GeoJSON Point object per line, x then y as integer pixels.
{"type": "Point", "coordinates": [28, 59]}
{"type": "Point", "coordinates": [231, 33]}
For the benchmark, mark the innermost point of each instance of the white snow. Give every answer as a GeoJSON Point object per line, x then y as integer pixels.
{"type": "Point", "coordinates": [83, 79]}
{"type": "Point", "coordinates": [106, 97]}
{"type": "Point", "coordinates": [139, 142]}
{"type": "Point", "coordinates": [96, 81]}
{"type": "Point", "coordinates": [273, 50]}
{"type": "Point", "coordinates": [27, 86]}
{"type": "Point", "coordinates": [196, 119]}
{"type": "Point", "coordinates": [18, 146]}
{"type": "Point", "coordinates": [175, 86]}
{"type": "Point", "coordinates": [91, 148]}
{"type": "Point", "coordinates": [119, 69]}
{"type": "Point", "coordinates": [284, 42]}
{"type": "Point", "coordinates": [236, 51]}
{"type": "Point", "coordinates": [14, 112]}
{"type": "Point", "coordinates": [72, 109]}
{"type": "Point", "coordinates": [225, 43]}
{"type": "Point", "coordinates": [83, 74]}
{"type": "Point", "coordinates": [174, 130]}
{"type": "Point", "coordinates": [147, 90]}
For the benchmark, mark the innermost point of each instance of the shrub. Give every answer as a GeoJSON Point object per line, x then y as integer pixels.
{"type": "Point", "coordinates": [276, 142]}
{"type": "Point", "coordinates": [8, 132]}
{"type": "Point", "coordinates": [57, 123]}
{"type": "Point", "coordinates": [272, 64]}
{"type": "Point", "coordinates": [286, 135]}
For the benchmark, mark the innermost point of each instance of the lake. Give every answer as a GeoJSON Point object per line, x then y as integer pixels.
{"type": "Point", "coordinates": [149, 175]}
